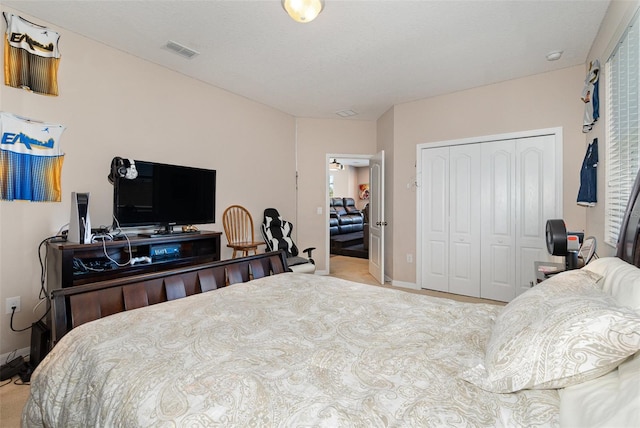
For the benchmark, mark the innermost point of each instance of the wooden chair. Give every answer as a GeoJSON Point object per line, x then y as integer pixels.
{"type": "Point", "coordinates": [238, 226]}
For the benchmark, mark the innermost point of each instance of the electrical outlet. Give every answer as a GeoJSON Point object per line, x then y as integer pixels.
{"type": "Point", "coordinates": [11, 302]}
{"type": "Point", "coordinates": [409, 258]}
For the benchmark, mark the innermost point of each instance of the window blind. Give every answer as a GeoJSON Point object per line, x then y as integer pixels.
{"type": "Point", "coordinates": [622, 124]}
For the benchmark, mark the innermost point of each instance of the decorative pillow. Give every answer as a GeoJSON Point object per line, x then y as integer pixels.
{"type": "Point", "coordinates": [608, 401]}
{"type": "Point", "coordinates": [621, 280]}
{"type": "Point", "coordinates": [562, 332]}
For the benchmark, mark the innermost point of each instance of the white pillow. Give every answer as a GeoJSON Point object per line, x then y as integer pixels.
{"type": "Point", "coordinates": [620, 279]}
{"type": "Point", "coordinates": [562, 332]}
{"type": "Point", "coordinates": [612, 400]}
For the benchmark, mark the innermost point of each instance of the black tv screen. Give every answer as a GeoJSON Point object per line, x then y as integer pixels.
{"type": "Point", "coordinates": [165, 195]}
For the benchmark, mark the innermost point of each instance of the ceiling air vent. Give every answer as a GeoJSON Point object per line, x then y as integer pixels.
{"type": "Point", "coordinates": [181, 49]}
{"type": "Point", "coordinates": [346, 113]}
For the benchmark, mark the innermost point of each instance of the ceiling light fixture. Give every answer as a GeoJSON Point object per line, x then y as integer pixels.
{"type": "Point", "coordinates": [334, 165]}
{"type": "Point", "coordinates": [554, 55]}
{"type": "Point", "coordinates": [303, 10]}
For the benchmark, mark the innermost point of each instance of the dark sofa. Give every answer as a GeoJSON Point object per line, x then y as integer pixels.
{"type": "Point", "coordinates": [344, 217]}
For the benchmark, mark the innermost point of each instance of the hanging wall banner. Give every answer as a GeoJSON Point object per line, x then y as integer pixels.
{"type": "Point", "coordinates": [30, 159]}
{"type": "Point", "coordinates": [588, 192]}
{"type": "Point", "coordinates": [31, 56]}
{"type": "Point", "coordinates": [591, 97]}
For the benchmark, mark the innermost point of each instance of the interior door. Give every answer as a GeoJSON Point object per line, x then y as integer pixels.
{"type": "Point", "coordinates": [464, 219]}
{"type": "Point", "coordinates": [376, 216]}
{"type": "Point", "coordinates": [450, 193]}
{"type": "Point", "coordinates": [435, 220]}
{"type": "Point", "coordinates": [536, 187]}
{"type": "Point", "coordinates": [498, 256]}
{"type": "Point", "coordinates": [508, 195]}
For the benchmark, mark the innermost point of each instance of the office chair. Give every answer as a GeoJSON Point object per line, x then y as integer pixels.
{"type": "Point", "coordinates": [277, 235]}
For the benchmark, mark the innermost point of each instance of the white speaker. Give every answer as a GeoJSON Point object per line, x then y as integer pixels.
{"type": "Point", "coordinates": [79, 223]}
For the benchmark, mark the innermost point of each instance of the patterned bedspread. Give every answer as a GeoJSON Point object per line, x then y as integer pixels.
{"type": "Point", "coordinates": [282, 351]}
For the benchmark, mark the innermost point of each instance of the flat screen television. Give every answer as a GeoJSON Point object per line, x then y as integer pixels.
{"type": "Point", "coordinates": [164, 196]}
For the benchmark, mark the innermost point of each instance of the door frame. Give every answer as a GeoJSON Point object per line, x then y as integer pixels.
{"type": "Point", "coordinates": [327, 243]}
{"type": "Point", "coordinates": [556, 132]}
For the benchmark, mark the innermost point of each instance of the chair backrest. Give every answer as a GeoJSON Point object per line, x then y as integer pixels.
{"type": "Point", "coordinates": [337, 205]}
{"type": "Point", "coordinates": [277, 233]}
{"type": "Point", "coordinates": [238, 224]}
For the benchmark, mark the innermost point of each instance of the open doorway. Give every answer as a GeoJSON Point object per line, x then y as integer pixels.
{"type": "Point", "coordinates": [347, 202]}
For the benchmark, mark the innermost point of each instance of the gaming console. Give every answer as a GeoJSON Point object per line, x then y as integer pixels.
{"type": "Point", "coordinates": [79, 222]}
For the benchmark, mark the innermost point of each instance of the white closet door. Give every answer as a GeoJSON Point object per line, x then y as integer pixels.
{"type": "Point", "coordinates": [483, 208]}
{"type": "Point", "coordinates": [464, 214]}
{"type": "Point", "coordinates": [518, 196]}
{"type": "Point", "coordinates": [435, 219]}
{"type": "Point", "coordinates": [498, 208]}
{"type": "Point", "coordinates": [536, 203]}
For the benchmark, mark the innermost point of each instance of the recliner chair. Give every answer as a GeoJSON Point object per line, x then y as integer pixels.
{"type": "Point", "coordinates": [277, 235]}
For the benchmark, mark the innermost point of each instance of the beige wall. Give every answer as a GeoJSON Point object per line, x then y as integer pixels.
{"type": "Point", "coordinates": [343, 182]}
{"type": "Point", "coordinates": [114, 104]}
{"type": "Point", "coordinates": [542, 101]}
{"type": "Point", "coordinates": [347, 183]}
{"type": "Point", "coordinates": [615, 22]}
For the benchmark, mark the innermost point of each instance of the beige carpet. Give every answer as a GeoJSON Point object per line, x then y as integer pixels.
{"type": "Point", "coordinates": [12, 399]}
{"type": "Point", "coordinates": [355, 269]}
{"type": "Point", "coordinates": [13, 396]}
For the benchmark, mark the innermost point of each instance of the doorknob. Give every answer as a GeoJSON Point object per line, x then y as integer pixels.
{"type": "Point", "coordinates": [381, 223]}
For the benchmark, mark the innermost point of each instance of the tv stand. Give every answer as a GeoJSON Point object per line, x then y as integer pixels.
{"type": "Point", "coordinates": [167, 251]}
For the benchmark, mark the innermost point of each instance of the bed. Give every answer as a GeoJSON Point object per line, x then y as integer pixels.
{"type": "Point", "coordinates": [293, 349]}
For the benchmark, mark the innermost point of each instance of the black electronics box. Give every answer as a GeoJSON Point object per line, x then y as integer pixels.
{"type": "Point", "coordinates": [164, 251]}
{"type": "Point", "coordinates": [12, 368]}
{"type": "Point", "coordinates": [40, 343]}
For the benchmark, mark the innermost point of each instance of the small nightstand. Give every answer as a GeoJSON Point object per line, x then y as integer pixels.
{"type": "Point", "coordinates": [545, 270]}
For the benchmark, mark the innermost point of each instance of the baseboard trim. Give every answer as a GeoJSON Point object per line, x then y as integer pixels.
{"type": "Point", "coordinates": [404, 284]}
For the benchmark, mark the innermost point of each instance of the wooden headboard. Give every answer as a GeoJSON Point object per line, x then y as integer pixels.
{"type": "Point", "coordinates": [73, 306]}
{"type": "Point", "coordinates": [628, 248]}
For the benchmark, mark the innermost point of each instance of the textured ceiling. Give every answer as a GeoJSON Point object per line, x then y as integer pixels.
{"type": "Point", "coordinates": [364, 55]}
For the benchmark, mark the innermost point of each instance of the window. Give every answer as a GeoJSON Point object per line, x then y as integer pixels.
{"type": "Point", "coordinates": [622, 76]}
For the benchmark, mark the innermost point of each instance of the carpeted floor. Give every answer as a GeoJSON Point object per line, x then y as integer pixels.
{"type": "Point", "coordinates": [13, 396]}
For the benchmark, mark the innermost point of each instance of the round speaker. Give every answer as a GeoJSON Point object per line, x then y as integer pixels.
{"type": "Point", "coordinates": [556, 234]}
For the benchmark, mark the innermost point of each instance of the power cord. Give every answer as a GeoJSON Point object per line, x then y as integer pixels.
{"type": "Point", "coordinates": [18, 330]}
{"type": "Point", "coordinates": [43, 295]}
{"type": "Point", "coordinates": [118, 233]}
